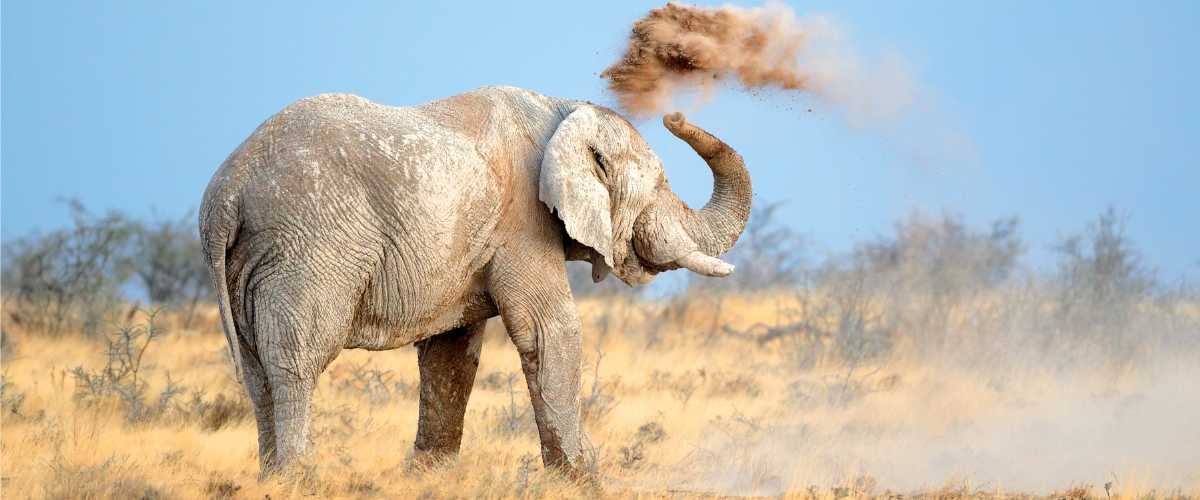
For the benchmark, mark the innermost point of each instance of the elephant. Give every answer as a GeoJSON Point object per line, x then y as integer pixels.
{"type": "Point", "coordinates": [340, 223]}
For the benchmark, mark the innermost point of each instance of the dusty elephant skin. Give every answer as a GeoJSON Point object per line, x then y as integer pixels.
{"type": "Point", "coordinates": [341, 223]}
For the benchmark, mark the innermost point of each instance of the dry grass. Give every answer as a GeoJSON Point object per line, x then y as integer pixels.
{"type": "Point", "coordinates": [680, 407]}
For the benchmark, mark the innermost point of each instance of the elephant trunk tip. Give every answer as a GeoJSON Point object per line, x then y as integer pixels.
{"type": "Point", "coordinates": [702, 142]}
{"type": "Point", "coordinates": [674, 121]}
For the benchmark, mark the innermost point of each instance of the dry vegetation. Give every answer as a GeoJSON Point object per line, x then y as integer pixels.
{"type": "Point", "coordinates": [923, 364]}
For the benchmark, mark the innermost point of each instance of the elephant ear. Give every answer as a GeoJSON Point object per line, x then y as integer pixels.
{"type": "Point", "coordinates": [571, 186]}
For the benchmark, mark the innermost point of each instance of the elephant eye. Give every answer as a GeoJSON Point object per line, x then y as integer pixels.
{"type": "Point", "coordinates": [599, 159]}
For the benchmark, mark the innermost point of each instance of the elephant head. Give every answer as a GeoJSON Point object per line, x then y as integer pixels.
{"type": "Point", "coordinates": [608, 187]}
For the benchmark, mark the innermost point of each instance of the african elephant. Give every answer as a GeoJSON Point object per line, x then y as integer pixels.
{"type": "Point", "coordinates": [341, 223]}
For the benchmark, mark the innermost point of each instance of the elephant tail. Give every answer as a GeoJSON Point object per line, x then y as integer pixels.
{"type": "Point", "coordinates": [218, 231]}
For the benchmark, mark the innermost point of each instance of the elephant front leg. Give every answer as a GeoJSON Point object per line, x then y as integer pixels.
{"type": "Point", "coordinates": [448, 363]}
{"type": "Point", "coordinates": [550, 358]}
{"type": "Point", "coordinates": [540, 316]}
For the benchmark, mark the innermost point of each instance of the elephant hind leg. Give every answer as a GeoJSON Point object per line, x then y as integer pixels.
{"type": "Point", "coordinates": [297, 334]}
{"type": "Point", "coordinates": [292, 413]}
{"type": "Point", "coordinates": [448, 363]}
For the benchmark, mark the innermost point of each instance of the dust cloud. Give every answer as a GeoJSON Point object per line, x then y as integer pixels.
{"type": "Point", "coordinates": [680, 47]}
{"type": "Point", "coordinates": [679, 50]}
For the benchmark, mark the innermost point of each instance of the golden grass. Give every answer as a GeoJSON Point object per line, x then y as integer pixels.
{"type": "Point", "coordinates": [691, 415]}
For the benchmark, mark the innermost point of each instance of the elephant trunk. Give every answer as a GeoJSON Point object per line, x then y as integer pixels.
{"type": "Point", "coordinates": [717, 226]}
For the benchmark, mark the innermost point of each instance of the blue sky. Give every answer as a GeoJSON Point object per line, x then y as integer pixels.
{"type": "Point", "coordinates": [1069, 106]}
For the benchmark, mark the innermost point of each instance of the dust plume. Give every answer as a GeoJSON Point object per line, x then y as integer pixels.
{"type": "Point", "coordinates": [680, 47]}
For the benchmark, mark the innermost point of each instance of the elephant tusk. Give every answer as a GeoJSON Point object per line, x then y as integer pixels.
{"type": "Point", "coordinates": [700, 263]}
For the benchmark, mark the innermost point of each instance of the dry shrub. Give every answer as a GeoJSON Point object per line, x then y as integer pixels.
{"type": "Point", "coordinates": [495, 381]}
{"type": "Point", "coordinates": [634, 453]}
{"type": "Point", "coordinates": [514, 419]}
{"type": "Point", "coordinates": [11, 399]}
{"type": "Point", "coordinates": [377, 386]}
{"type": "Point", "coordinates": [221, 489]}
{"type": "Point", "coordinates": [599, 400]}
{"type": "Point", "coordinates": [222, 411]}
{"type": "Point", "coordinates": [680, 386]}
{"type": "Point", "coordinates": [711, 383]}
{"type": "Point", "coordinates": [109, 479]}
{"type": "Point", "coordinates": [122, 381]}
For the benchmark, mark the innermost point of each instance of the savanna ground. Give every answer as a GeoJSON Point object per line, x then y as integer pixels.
{"type": "Point", "coordinates": [926, 365]}
{"type": "Point", "coordinates": [680, 400]}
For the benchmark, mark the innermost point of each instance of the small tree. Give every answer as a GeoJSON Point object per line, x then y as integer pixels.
{"type": "Point", "coordinates": [168, 263]}
{"type": "Point", "coordinates": [1100, 278]}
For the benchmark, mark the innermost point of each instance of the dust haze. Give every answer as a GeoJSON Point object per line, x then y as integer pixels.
{"type": "Point", "coordinates": [942, 363]}
{"type": "Point", "coordinates": [950, 427]}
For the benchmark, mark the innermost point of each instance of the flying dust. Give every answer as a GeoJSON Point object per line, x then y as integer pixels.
{"type": "Point", "coordinates": [679, 47]}
{"type": "Point", "coordinates": [678, 50]}
{"type": "Point", "coordinates": [684, 46]}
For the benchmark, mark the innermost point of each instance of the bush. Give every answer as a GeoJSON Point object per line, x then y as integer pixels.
{"type": "Point", "coordinates": [68, 279]}
{"type": "Point", "coordinates": [167, 260]}
{"type": "Point", "coordinates": [1100, 273]}
{"type": "Point", "coordinates": [515, 419]}
{"type": "Point", "coordinates": [220, 412]}
{"type": "Point", "coordinates": [378, 387]}
{"type": "Point", "coordinates": [1103, 290]}
{"type": "Point", "coordinates": [72, 279]}
{"type": "Point", "coordinates": [940, 256]}
{"type": "Point", "coordinates": [914, 281]}
{"type": "Point", "coordinates": [121, 378]}
{"type": "Point", "coordinates": [598, 401]}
